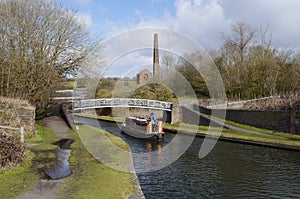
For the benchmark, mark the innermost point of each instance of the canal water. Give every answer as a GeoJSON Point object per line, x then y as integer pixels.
{"type": "Point", "coordinates": [230, 170]}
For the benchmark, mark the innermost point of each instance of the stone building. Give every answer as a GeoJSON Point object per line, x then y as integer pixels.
{"type": "Point", "coordinates": [144, 77]}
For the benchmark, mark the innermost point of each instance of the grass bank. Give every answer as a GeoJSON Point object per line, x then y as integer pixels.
{"type": "Point", "coordinates": [91, 178]}
{"type": "Point", "coordinates": [18, 179]}
{"type": "Point", "coordinates": [266, 131]}
{"type": "Point", "coordinates": [22, 178]}
{"type": "Point", "coordinates": [238, 135]}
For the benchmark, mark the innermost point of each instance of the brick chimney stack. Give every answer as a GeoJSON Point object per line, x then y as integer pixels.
{"type": "Point", "coordinates": [156, 74]}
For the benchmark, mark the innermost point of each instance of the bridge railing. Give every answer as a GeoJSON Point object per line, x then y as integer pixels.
{"type": "Point", "coordinates": [121, 102]}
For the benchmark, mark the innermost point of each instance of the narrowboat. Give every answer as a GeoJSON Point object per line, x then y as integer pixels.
{"type": "Point", "coordinates": [143, 128]}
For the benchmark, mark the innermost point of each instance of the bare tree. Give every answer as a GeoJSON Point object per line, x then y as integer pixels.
{"type": "Point", "coordinates": [40, 42]}
{"type": "Point", "coordinates": [235, 51]}
{"type": "Point", "coordinates": [169, 60]}
{"type": "Point", "coordinates": [251, 66]}
{"type": "Point", "coordinates": [288, 78]}
{"type": "Point", "coordinates": [263, 67]}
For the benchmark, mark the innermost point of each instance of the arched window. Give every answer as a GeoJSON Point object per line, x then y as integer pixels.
{"type": "Point", "coordinates": [146, 76]}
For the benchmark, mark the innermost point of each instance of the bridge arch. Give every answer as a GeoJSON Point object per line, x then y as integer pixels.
{"type": "Point", "coordinates": [125, 102]}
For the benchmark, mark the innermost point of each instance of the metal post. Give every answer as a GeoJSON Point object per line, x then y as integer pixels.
{"type": "Point", "coordinates": [22, 134]}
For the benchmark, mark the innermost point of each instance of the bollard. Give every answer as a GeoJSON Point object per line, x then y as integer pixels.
{"type": "Point", "coordinates": [61, 168]}
{"type": "Point", "coordinates": [22, 134]}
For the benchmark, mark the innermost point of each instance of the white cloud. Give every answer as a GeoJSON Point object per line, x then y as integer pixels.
{"type": "Point", "coordinates": [202, 20]}
{"type": "Point", "coordinates": [205, 20]}
{"type": "Point", "coordinates": [282, 16]}
{"type": "Point", "coordinates": [132, 51]}
{"type": "Point", "coordinates": [130, 64]}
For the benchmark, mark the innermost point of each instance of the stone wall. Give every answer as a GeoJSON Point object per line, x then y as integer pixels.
{"type": "Point", "coordinates": [277, 120]}
{"type": "Point", "coordinates": [176, 114]}
{"type": "Point", "coordinates": [17, 113]}
{"type": "Point", "coordinates": [27, 119]}
{"type": "Point", "coordinates": [66, 113]}
{"type": "Point", "coordinates": [193, 117]}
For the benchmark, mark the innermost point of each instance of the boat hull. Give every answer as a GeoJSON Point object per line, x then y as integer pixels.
{"type": "Point", "coordinates": [141, 133]}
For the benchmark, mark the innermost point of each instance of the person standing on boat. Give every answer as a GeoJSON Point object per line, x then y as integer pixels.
{"type": "Point", "coordinates": [153, 121]}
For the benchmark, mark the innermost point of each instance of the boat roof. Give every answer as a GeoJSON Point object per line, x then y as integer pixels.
{"type": "Point", "coordinates": [138, 119]}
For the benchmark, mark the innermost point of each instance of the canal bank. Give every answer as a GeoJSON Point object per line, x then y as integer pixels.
{"type": "Point", "coordinates": [230, 170]}
{"type": "Point", "coordinates": [91, 139]}
{"type": "Point", "coordinates": [238, 140]}
{"type": "Point", "coordinates": [89, 179]}
{"type": "Point", "coordinates": [236, 134]}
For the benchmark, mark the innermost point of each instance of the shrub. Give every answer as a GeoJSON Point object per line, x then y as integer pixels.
{"type": "Point", "coordinates": [12, 151]}
{"type": "Point", "coordinates": [153, 91]}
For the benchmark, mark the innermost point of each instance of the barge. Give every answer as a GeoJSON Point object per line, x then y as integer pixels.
{"type": "Point", "coordinates": [143, 128]}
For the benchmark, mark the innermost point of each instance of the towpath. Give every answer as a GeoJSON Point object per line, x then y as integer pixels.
{"type": "Point", "coordinates": [45, 188]}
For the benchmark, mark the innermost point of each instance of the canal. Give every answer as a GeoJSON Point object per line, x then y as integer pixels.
{"type": "Point", "coordinates": [230, 170]}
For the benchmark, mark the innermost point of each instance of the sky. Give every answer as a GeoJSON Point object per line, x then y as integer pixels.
{"type": "Point", "coordinates": [203, 21]}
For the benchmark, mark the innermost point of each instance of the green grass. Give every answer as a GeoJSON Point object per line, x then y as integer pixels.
{"type": "Point", "coordinates": [22, 178]}
{"type": "Point", "coordinates": [228, 133]}
{"type": "Point", "coordinates": [18, 179]}
{"type": "Point", "coordinates": [43, 136]}
{"type": "Point", "coordinates": [44, 149]}
{"type": "Point", "coordinates": [91, 178]}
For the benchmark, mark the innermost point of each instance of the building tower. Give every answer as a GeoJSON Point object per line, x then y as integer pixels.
{"type": "Point", "coordinates": [156, 74]}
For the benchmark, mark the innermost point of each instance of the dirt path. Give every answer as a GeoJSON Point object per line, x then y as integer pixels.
{"type": "Point", "coordinates": [57, 125]}
{"type": "Point", "coordinates": [45, 188]}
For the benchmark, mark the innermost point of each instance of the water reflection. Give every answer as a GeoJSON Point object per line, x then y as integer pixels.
{"type": "Point", "coordinates": [151, 146]}
{"type": "Point", "coordinates": [230, 171]}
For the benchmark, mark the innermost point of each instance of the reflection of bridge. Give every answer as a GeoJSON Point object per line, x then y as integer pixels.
{"type": "Point", "coordinates": [122, 102]}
